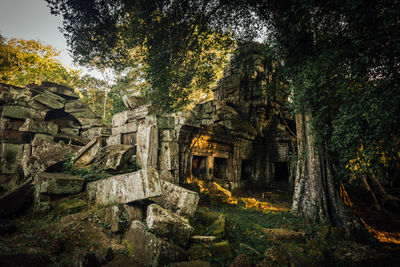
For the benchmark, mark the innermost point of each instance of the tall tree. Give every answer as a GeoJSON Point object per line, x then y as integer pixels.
{"type": "Point", "coordinates": [28, 61]}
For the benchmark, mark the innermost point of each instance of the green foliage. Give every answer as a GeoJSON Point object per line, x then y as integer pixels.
{"type": "Point", "coordinates": [28, 61]}
{"type": "Point", "coordinates": [169, 45]}
{"type": "Point", "coordinates": [90, 175]}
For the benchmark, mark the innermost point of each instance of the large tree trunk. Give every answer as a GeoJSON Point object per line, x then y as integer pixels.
{"type": "Point", "coordinates": [315, 196]}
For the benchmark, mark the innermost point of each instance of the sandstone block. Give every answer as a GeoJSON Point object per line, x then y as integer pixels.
{"type": "Point", "coordinates": [75, 106]}
{"type": "Point", "coordinates": [60, 90]}
{"type": "Point", "coordinates": [167, 135]}
{"type": "Point", "coordinates": [58, 183]}
{"type": "Point", "coordinates": [167, 224]}
{"type": "Point", "coordinates": [89, 122]}
{"type": "Point", "coordinates": [36, 126]}
{"type": "Point", "coordinates": [88, 153]}
{"type": "Point", "coordinates": [138, 113]}
{"type": "Point", "coordinates": [114, 140]}
{"type": "Point", "coordinates": [134, 211]}
{"type": "Point", "coordinates": [11, 151]}
{"type": "Point", "coordinates": [70, 131]}
{"type": "Point", "coordinates": [50, 100]}
{"type": "Point", "coordinates": [117, 158]}
{"type": "Point", "coordinates": [120, 119]}
{"type": "Point", "coordinates": [38, 138]}
{"type": "Point", "coordinates": [149, 250]}
{"type": "Point", "coordinates": [166, 122]}
{"type": "Point", "coordinates": [19, 112]}
{"type": "Point", "coordinates": [177, 199]}
{"type": "Point", "coordinates": [132, 102]}
{"type": "Point", "coordinates": [126, 188]}
{"type": "Point", "coordinates": [13, 136]}
{"type": "Point", "coordinates": [126, 128]}
{"type": "Point", "coordinates": [169, 156]}
{"type": "Point", "coordinates": [147, 145]}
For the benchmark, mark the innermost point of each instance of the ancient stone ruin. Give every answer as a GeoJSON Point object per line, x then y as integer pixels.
{"type": "Point", "coordinates": [37, 124]}
{"type": "Point", "coordinates": [241, 138]}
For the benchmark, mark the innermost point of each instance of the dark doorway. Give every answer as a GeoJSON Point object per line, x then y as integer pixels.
{"type": "Point", "coordinates": [199, 167]}
{"type": "Point", "coordinates": [246, 170]}
{"type": "Point", "coordinates": [281, 172]}
{"type": "Point", "coordinates": [220, 167]}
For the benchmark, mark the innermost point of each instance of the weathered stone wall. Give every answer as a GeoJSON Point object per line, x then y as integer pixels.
{"type": "Point", "coordinates": [240, 138]}
{"type": "Point", "coordinates": [36, 124]}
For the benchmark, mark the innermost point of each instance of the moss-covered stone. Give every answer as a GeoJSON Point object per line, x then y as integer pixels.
{"type": "Point", "coordinates": [221, 249]}
{"type": "Point", "coordinates": [70, 206]}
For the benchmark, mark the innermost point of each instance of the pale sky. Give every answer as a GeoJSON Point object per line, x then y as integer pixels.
{"type": "Point", "coordinates": [31, 19]}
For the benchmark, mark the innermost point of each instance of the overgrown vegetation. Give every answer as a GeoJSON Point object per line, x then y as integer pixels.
{"type": "Point", "coordinates": [91, 174]}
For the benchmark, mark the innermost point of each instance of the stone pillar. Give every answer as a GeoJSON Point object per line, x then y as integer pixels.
{"type": "Point", "coordinates": [210, 168]}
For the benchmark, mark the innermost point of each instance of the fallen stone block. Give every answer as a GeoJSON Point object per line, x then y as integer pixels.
{"type": "Point", "coordinates": [149, 250]}
{"type": "Point", "coordinates": [167, 224]}
{"type": "Point", "coordinates": [50, 100]}
{"type": "Point", "coordinates": [61, 90]}
{"type": "Point", "coordinates": [116, 217]}
{"type": "Point", "coordinates": [88, 153]}
{"type": "Point", "coordinates": [126, 188]}
{"type": "Point", "coordinates": [177, 199]}
{"type": "Point", "coordinates": [134, 211]}
{"type": "Point", "coordinates": [36, 126]}
{"type": "Point", "coordinates": [58, 183]}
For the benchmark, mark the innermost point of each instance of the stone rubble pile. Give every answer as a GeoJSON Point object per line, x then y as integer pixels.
{"type": "Point", "coordinates": [166, 230]}
{"type": "Point", "coordinates": [36, 124]}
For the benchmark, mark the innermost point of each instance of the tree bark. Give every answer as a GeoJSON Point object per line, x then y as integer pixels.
{"type": "Point", "coordinates": [315, 196]}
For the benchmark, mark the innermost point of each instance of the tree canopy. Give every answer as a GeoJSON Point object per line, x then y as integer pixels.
{"type": "Point", "coordinates": [28, 61]}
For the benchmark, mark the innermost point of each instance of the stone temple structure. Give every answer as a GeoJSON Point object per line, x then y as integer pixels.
{"type": "Point", "coordinates": [243, 137]}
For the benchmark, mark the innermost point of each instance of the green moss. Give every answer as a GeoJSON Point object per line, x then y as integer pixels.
{"type": "Point", "coordinates": [128, 246]}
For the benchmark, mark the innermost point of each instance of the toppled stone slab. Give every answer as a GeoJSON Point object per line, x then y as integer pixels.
{"type": "Point", "coordinates": [126, 188]}
{"type": "Point", "coordinates": [167, 224]}
{"type": "Point", "coordinates": [88, 153]}
{"type": "Point", "coordinates": [118, 157]}
{"type": "Point", "coordinates": [60, 90]}
{"type": "Point", "coordinates": [58, 183]}
{"type": "Point", "coordinates": [149, 250]}
{"type": "Point", "coordinates": [177, 199]}
{"type": "Point", "coordinates": [50, 100]}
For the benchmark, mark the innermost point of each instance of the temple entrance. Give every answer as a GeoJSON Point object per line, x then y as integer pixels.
{"type": "Point", "coordinates": [220, 168]}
